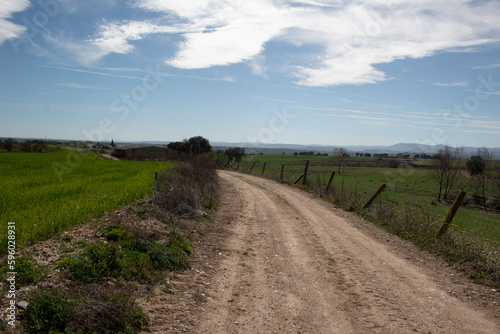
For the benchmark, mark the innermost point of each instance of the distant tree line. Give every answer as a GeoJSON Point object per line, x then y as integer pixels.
{"type": "Point", "coordinates": [38, 146]}
{"type": "Point", "coordinates": [311, 153]}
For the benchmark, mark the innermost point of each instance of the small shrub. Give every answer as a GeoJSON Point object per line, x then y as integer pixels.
{"type": "Point", "coordinates": [97, 261]}
{"type": "Point", "coordinates": [99, 309]}
{"type": "Point", "coordinates": [189, 186]}
{"type": "Point", "coordinates": [107, 309]}
{"type": "Point", "coordinates": [162, 257]}
{"type": "Point", "coordinates": [137, 265]}
{"type": "Point", "coordinates": [48, 311]}
{"type": "Point", "coordinates": [115, 233]}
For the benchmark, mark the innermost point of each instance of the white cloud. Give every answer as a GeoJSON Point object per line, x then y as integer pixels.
{"type": "Point", "coordinates": [339, 42]}
{"type": "Point", "coordinates": [115, 37]}
{"type": "Point", "coordinates": [258, 66]}
{"type": "Point", "coordinates": [9, 30]}
{"type": "Point", "coordinates": [452, 84]}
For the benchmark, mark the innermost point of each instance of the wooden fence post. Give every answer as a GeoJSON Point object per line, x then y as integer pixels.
{"type": "Point", "coordinates": [329, 182]}
{"type": "Point", "coordinates": [253, 165]}
{"type": "Point", "coordinates": [304, 180]}
{"type": "Point", "coordinates": [282, 168]}
{"type": "Point", "coordinates": [264, 168]}
{"type": "Point", "coordinates": [382, 187]}
{"type": "Point", "coordinates": [238, 165]}
{"type": "Point", "coordinates": [299, 179]}
{"type": "Point", "coordinates": [451, 213]}
{"type": "Point", "coordinates": [154, 195]}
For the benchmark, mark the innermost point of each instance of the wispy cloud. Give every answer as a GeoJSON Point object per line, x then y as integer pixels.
{"type": "Point", "coordinates": [483, 92]}
{"type": "Point", "coordinates": [272, 99]}
{"type": "Point", "coordinates": [485, 67]}
{"type": "Point", "coordinates": [417, 120]}
{"type": "Point", "coordinates": [452, 84]}
{"type": "Point", "coordinates": [79, 86]}
{"type": "Point", "coordinates": [93, 72]}
{"type": "Point", "coordinates": [9, 30]}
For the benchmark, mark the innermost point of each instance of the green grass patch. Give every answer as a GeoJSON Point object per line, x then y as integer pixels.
{"type": "Point", "coordinates": [28, 271]}
{"type": "Point", "coordinates": [47, 193]}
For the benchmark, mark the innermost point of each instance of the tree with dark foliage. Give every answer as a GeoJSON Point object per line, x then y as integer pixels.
{"type": "Point", "coordinates": [192, 146]}
{"type": "Point", "coordinates": [235, 153]}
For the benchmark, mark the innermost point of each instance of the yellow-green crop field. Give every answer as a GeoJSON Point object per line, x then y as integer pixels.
{"type": "Point", "coordinates": [43, 194]}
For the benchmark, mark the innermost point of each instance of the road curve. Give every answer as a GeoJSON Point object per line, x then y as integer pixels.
{"type": "Point", "coordinates": [294, 265]}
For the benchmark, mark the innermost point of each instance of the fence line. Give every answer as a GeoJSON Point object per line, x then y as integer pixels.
{"type": "Point", "coordinates": [294, 172]}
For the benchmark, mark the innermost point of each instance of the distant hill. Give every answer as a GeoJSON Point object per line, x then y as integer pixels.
{"type": "Point", "coordinates": [409, 148]}
{"type": "Point", "coordinates": [262, 148]}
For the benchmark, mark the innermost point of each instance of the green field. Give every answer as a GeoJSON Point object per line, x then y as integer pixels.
{"type": "Point", "coordinates": [409, 188]}
{"type": "Point", "coordinates": [47, 193]}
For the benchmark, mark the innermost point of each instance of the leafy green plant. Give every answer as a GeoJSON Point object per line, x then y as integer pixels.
{"type": "Point", "coordinates": [48, 311]}
{"type": "Point", "coordinates": [179, 241]}
{"type": "Point", "coordinates": [116, 233]}
{"type": "Point", "coordinates": [162, 257]}
{"type": "Point", "coordinates": [98, 260]}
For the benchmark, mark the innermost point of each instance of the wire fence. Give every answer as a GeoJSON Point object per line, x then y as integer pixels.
{"type": "Point", "coordinates": [407, 183]}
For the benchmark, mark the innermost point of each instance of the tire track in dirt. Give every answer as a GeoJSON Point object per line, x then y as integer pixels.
{"type": "Point", "coordinates": [294, 266]}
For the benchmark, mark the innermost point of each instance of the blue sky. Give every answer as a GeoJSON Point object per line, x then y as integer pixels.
{"type": "Point", "coordinates": [336, 72]}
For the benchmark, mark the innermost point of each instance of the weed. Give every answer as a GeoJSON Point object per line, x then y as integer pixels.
{"type": "Point", "coordinates": [29, 272]}
{"type": "Point", "coordinates": [107, 309]}
{"type": "Point", "coordinates": [48, 311]}
{"type": "Point", "coordinates": [162, 257]}
{"type": "Point", "coordinates": [115, 233]}
{"type": "Point", "coordinates": [181, 242]}
{"type": "Point", "coordinates": [97, 261]}
{"type": "Point", "coordinates": [188, 187]}
{"type": "Point", "coordinates": [101, 308]}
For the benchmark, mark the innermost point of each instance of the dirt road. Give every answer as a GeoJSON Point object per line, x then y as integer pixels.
{"type": "Point", "coordinates": [293, 264]}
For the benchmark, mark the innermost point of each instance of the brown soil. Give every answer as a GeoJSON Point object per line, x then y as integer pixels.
{"type": "Point", "coordinates": [275, 259]}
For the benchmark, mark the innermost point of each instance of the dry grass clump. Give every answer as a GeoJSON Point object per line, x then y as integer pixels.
{"type": "Point", "coordinates": [189, 187]}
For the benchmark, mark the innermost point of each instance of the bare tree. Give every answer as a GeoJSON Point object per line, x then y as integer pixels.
{"type": "Point", "coordinates": [338, 155]}
{"type": "Point", "coordinates": [479, 166]}
{"type": "Point", "coordinates": [446, 167]}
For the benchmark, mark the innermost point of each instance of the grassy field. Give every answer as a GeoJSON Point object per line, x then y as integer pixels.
{"type": "Point", "coordinates": [47, 193]}
{"type": "Point", "coordinates": [407, 187]}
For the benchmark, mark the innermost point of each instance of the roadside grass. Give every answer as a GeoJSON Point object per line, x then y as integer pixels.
{"type": "Point", "coordinates": [105, 274]}
{"type": "Point", "coordinates": [47, 193]}
{"type": "Point", "coordinates": [407, 207]}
